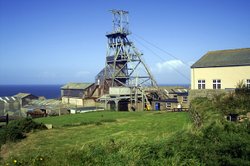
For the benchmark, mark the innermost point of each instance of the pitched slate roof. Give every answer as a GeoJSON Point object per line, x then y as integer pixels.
{"type": "Point", "coordinates": [222, 58]}
{"type": "Point", "coordinates": [76, 86]}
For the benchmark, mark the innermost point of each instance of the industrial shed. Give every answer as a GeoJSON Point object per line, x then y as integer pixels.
{"type": "Point", "coordinates": [79, 94]}
{"type": "Point", "coordinates": [25, 98]}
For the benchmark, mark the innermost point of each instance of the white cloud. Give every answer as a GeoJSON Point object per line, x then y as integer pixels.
{"type": "Point", "coordinates": [169, 65]}
{"type": "Point", "coordinates": [172, 72]}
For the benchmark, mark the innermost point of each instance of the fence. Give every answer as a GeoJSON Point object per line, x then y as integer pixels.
{"type": "Point", "coordinates": [8, 118]}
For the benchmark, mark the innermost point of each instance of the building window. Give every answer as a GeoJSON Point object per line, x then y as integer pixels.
{"type": "Point", "coordinates": [201, 84]}
{"type": "Point", "coordinates": [168, 105]}
{"type": "Point", "coordinates": [216, 84]}
{"type": "Point", "coordinates": [248, 83]}
{"type": "Point", "coordinates": [73, 93]}
{"type": "Point", "coordinates": [185, 98]}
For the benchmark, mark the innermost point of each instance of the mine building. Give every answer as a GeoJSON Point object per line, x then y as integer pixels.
{"type": "Point", "coordinates": [219, 72]}
{"type": "Point", "coordinates": [221, 69]}
{"type": "Point", "coordinates": [25, 98]}
{"type": "Point", "coordinates": [122, 83]}
{"type": "Point", "coordinates": [177, 100]}
{"type": "Point", "coordinates": [79, 94]}
{"type": "Point", "coordinates": [125, 83]}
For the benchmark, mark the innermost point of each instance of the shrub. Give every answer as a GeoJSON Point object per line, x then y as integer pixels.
{"type": "Point", "coordinates": [217, 141]}
{"type": "Point", "coordinates": [202, 111]}
{"type": "Point", "coordinates": [237, 102]}
{"type": "Point", "coordinates": [17, 129]}
{"type": "Point", "coordinates": [224, 143]}
{"type": "Point", "coordinates": [2, 136]}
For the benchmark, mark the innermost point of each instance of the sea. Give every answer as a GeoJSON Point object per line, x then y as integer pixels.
{"type": "Point", "coordinates": [47, 91]}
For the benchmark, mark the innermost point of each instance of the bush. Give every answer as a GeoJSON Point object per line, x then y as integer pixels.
{"type": "Point", "coordinates": [17, 129]}
{"type": "Point", "coordinates": [215, 144]}
{"type": "Point", "coordinates": [2, 136]}
{"type": "Point", "coordinates": [233, 103]}
{"type": "Point", "coordinates": [216, 140]}
{"type": "Point", "coordinates": [202, 111]}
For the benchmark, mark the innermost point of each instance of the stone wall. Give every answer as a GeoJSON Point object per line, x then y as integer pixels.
{"type": "Point", "coordinates": [79, 102]}
{"type": "Point", "coordinates": [209, 93]}
{"type": "Point", "coordinates": [89, 103]}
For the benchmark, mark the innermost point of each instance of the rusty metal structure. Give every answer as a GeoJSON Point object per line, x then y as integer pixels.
{"type": "Point", "coordinates": [124, 66]}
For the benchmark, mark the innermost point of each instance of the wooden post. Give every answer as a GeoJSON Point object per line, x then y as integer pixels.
{"type": "Point", "coordinates": [131, 100]}
{"type": "Point", "coordinates": [143, 100]}
{"type": "Point", "coordinates": [117, 105]}
{"type": "Point", "coordinates": [7, 119]}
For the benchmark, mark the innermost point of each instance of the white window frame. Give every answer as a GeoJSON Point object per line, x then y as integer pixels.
{"type": "Point", "coordinates": [201, 84]}
{"type": "Point", "coordinates": [217, 84]}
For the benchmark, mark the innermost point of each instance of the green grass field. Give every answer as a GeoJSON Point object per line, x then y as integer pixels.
{"type": "Point", "coordinates": [74, 132]}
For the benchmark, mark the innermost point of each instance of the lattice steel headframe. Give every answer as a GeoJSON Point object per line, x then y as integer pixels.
{"type": "Point", "coordinates": [124, 66]}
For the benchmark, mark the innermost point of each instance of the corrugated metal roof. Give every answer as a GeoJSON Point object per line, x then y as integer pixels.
{"type": "Point", "coordinates": [222, 58]}
{"type": "Point", "coordinates": [179, 91]}
{"type": "Point", "coordinates": [45, 102]}
{"type": "Point", "coordinates": [22, 95]}
{"type": "Point", "coordinates": [76, 86]}
{"type": "Point", "coordinates": [7, 99]}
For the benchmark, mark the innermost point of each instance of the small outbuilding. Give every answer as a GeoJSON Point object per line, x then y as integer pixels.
{"type": "Point", "coordinates": [25, 98]}
{"type": "Point", "coordinates": [78, 94]}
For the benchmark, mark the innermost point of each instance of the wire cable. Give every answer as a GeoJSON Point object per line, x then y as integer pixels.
{"type": "Point", "coordinates": [160, 49]}
{"type": "Point", "coordinates": [184, 76]}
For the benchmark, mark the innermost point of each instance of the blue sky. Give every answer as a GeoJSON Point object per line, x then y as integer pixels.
{"type": "Point", "coordinates": [60, 41]}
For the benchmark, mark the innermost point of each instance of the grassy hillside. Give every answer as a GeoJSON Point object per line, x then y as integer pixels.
{"type": "Point", "coordinates": [201, 137]}
{"type": "Point", "coordinates": [80, 133]}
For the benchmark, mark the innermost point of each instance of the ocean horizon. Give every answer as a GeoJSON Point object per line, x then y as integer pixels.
{"type": "Point", "coordinates": [48, 91]}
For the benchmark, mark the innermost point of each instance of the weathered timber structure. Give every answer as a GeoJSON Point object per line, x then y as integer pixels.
{"type": "Point", "coordinates": [125, 75]}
